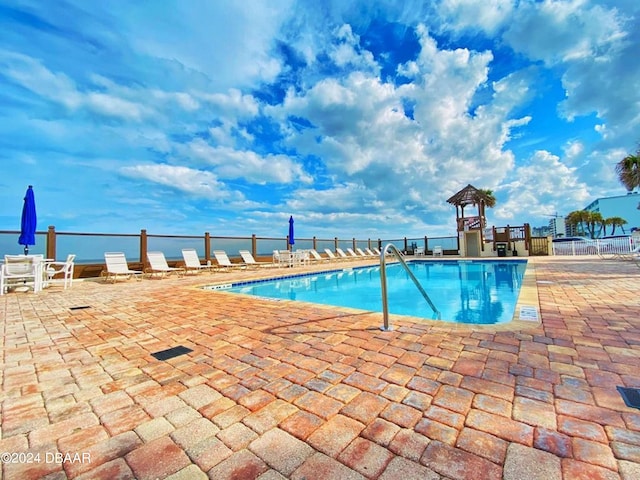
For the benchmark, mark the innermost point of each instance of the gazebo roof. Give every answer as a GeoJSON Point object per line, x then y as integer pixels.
{"type": "Point", "coordinates": [469, 195]}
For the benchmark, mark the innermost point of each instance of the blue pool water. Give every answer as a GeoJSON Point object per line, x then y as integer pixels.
{"type": "Point", "coordinates": [478, 292]}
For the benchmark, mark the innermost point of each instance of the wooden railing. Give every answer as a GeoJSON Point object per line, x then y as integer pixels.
{"type": "Point", "coordinates": [470, 223]}
{"type": "Point", "coordinates": [510, 234]}
{"type": "Point", "coordinates": [89, 247]}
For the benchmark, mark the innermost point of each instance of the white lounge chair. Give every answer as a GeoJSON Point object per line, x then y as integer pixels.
{"type": "Point", "coordinates": [341, 254]}
{"type": "Point", "coordinates": [363, 254]}
{"type": "Point", "coordinates": [224, 262]}
{"type": "Point", "coordinates": [53, 269]}
{"type": "Point", "coordinates": [117, 266]}
{"type": "Point", "coordinates": [331, 255]}
{"type": "Point", "coordinates": [316, 257]}
{"type": "Point", "coordinates": [351, 253]}
{"type": "Point", "coordinates": [248, 259]}
{"type": "Point", "coordinates": [192, 261]}
{"type": "Point", "coordinates": [371, 252]}
{"type": "Point", "coordinates": [158, 265]}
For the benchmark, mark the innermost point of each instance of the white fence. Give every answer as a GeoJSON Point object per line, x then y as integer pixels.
{"type": "Point", "coordinates": [601, 247]}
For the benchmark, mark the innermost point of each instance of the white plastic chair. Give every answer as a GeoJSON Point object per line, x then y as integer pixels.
{"type": "Point", "coordinates": [64, 268]}
{"type": "Point", "coordinates": [158, 264]}
{"type": "Point", "coordinates": [283, 257]}
{"type": "Point", "coordinates": [192, 261]}
{"type": "Point", "coordinates": [316, 257]}
{"type": "Point", "coordinates": [330, 254]}
{"type": "Point", "coordinates": [437, 251]}
{"type": "Point", "coordinates": [224, 262]}
{"type": "Point", "coordinates": [341, 254]}
{"type": "Point", "coordinates": [248, 259]}
{"type": "Point", "coordinates": [116, 263]}
{"type": "Point", "coordinates": [18, 270]}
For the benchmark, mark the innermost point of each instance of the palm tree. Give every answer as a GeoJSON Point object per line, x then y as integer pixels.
{"type": "Point", "coordinates": [488, 200]}
{"type": "Point", "coordinates": [578, 218]}
{"type": "Point", "coordinates": [628, 170]}
{"type": "Point", "coordinates": [616, 222]}
{"type": "Point", "coordinates": [593, 219]}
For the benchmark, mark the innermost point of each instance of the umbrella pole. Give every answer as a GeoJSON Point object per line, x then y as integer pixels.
{"type": "Point", "coordinates": [26, 249]}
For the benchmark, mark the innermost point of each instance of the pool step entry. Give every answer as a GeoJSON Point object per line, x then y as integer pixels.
{"type": "Point", "coordinates": [390, 247]}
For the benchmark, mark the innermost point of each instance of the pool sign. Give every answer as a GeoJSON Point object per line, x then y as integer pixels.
{"type": "Point", "coordinates": [528, 313]}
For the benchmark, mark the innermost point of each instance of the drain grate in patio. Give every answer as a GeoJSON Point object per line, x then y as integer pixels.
{"type": "Point", "coordinates": [171, 352]}
{"type": "Point", "coordinates": [631, 396]}
{"type": "Point", "coordinates": [81, 307]}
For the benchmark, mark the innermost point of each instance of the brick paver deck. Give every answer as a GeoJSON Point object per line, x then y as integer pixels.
{"type": "Point", "coordinates": [287, 390]}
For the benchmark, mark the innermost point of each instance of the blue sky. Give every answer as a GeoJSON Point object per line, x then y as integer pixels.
{"type": "Point", "coordinates": [357, 118]}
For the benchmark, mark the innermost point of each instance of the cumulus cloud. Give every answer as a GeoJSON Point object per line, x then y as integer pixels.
{"type": "Point", "coordinates": [359, 126]}
{"type": "Point", "coordinates": [248, 165]}
{"type": "Point", "coordinates": [558, 31]}
{"type": "Point", "coordinates": [488, 16]}
{"type": "Point", "coordinates": [542, 186]}
{"type": "Point", "coordinates": [192, 182]}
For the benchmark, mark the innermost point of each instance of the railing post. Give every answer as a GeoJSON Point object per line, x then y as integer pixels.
{"type": "Point", "coordinates": [406, 245]}
{"type": "Point", "coordinates": [314, 242]}
{"type": "Point", "coordinates": [493, 230]}
{"type": "Point", "coordinates": [51, 242]}
{"type": "Point", "coordinates": [335, 243]}
{"type": "Point", "coordinates": [354, 243]}
{"type": "Point", "coordinates": [254, 246]}
{"type": "Point", "coordinates": [143, 248]}
{"type": "Point", "coordinates": [207, 247]}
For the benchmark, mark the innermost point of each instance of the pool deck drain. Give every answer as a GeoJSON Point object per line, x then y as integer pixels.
{"type": "Point", "coordinates": [170, 353]}
{"type": "Point", "coordinates": [295, 390]}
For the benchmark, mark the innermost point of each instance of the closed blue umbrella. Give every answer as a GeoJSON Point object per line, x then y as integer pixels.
{"type": "Point", "coordinates": [29, 221]}
{"type": "Point", "coordinates": [291, 238]}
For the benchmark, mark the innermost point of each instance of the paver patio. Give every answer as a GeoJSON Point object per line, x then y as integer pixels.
{"type": "Point", "coordinates": [280, 389]}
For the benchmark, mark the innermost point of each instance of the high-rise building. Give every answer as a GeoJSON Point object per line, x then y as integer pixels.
{"type": "Point", "coordinates": [557, 227]}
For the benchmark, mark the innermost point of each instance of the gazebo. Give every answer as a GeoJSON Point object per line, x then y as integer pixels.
{"type": "Point", "coordinates": [472, 226]}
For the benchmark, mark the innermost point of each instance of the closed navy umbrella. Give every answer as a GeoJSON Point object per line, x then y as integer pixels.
{"type": "Point", "coordinates": [29, 221]}
{"type": "Point", "coordinates": [291, 238]}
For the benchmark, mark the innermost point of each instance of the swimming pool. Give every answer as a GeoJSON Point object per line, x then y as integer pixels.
{"type": "Point", "coordinates": [465, 291]}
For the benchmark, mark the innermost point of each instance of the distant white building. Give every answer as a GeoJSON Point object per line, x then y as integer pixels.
{"type": "Point", "coordinates": [623, 206]}
{"type": "Point", "coordinates": [557, 227]}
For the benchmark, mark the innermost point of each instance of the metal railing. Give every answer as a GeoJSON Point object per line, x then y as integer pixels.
{"type": "Point", "coordinates": [599, 246]}
{"type": "Point", "coordinates": [383, 284]}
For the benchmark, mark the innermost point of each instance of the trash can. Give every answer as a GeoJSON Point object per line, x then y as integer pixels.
{"type": "Point", "coordinates": [501, 248]}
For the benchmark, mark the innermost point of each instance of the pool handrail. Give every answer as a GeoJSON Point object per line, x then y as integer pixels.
{"type": "Point", "coordinates": [383, 283]}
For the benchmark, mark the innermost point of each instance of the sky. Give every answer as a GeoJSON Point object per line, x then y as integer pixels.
{"type": "Point", "coordinates": [358, 118]}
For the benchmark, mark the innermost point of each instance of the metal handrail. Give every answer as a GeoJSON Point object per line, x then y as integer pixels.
{"type": "Point", "coordinates": [383, 281]}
